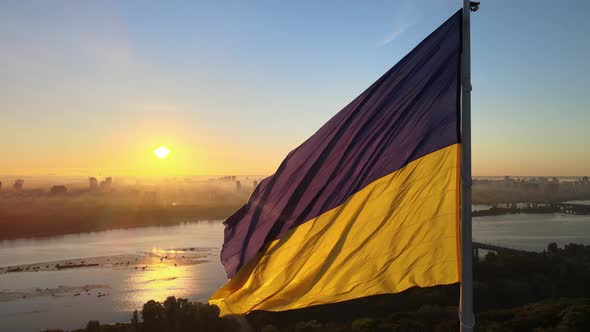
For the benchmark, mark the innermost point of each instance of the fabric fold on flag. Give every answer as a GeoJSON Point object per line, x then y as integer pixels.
{"type": "Point", "coordinates": [367, 205]}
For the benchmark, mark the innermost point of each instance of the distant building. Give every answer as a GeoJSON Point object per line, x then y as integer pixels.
{"type": "Point", "coordinates": [106, 184]}
{"type": "Point", "coordinates": [58, 190]}
{"type": "Point", "coordinates": [92, 183]}
{"type": "Point", "coordinates": [18, 184]}
{"type": "Point", "coordinates": [233, 178]}
{"type": "Point", "coordinates": [238, 186]}
{"type": "Point", "coordinates": [542, 180]}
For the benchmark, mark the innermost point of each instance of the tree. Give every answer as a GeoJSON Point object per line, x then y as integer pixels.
{"type": "Point", "coordinates": [170, 311]}
{"type": "Point", "coordinates": [269, 328]}
{"type": "Point", "coordinates": [92, 326]}
{"type": "Point", "coordinates": [153, 316]}
{"type": "Point", "coordinates": [135, 321]}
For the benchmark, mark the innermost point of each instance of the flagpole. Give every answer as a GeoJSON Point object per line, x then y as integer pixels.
{"type": "Point", "coordinates": [467, 319]}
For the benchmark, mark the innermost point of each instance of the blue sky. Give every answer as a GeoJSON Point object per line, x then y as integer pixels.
{"type": "Point", "coordinates": [233, 86]}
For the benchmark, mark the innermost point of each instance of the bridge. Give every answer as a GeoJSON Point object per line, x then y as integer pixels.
{"type": "Point", "coordinates": [497, 249]}
{"type": "Point", "coordinates": [572, 208]}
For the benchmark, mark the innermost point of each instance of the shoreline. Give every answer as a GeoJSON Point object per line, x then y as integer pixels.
{"type": "Point", "coordinates": [97, 219]}
{"type": "Point", "coordinates": [179, 221]}
{"type": "Point", "coordinates": [548, 209]}
{"type": "Point", "coordinates": [113, 228]}
{"type": "Point", "coordinates": [137, 261]}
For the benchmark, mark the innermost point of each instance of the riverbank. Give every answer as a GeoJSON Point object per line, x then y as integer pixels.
{"type": "Point", "coordinates": [29, 214]}
{"type": "Point", "coordinates": [36, 221]}
{"type": "Point", "coordinates": [567, 208]}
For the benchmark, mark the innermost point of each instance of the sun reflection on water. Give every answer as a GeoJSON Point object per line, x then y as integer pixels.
{"type": "Point", "coordinates": [158, 279]}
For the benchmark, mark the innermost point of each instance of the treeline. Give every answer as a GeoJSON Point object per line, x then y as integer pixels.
{"type": "Point", "coordinates": [27, 218]}
{"type": "Point", "coordinates": [545, 291]}
{"type": "Point", "coordinates": [498, 195]}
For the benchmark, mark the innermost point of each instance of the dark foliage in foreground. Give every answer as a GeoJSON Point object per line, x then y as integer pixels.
{"type": "Point", "coordinates": [182, 315]}
{"type": "Point", "coordinates": [513, 292]}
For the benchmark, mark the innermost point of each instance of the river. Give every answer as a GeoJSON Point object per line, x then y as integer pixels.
{"type": "Point", "coordinates": [136, 265]}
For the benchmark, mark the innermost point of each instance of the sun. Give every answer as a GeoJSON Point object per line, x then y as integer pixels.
{"type": "Point", "coordinates": [162, 152]}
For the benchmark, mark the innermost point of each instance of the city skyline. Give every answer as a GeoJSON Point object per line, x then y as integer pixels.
{"type": "Point", "coordinates": [231, 88]}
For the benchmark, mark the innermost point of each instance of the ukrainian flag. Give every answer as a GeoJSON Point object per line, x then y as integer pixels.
{"type": "Point", "coordinates": [367, 205]}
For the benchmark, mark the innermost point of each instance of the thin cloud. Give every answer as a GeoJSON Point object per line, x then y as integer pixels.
{"type": "Point", "coordinates": [405, 16]}
{"type": "Point", "coordinates": [394, 35]}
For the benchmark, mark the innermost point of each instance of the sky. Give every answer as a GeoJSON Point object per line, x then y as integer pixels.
{"type": "Point", "coordinates": [230, 87]}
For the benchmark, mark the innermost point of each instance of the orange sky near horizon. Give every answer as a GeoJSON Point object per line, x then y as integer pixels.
{"type": "Point", "coordinates": [133, 156]}
{"type": "Point", "coordinates": [119, 150]}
